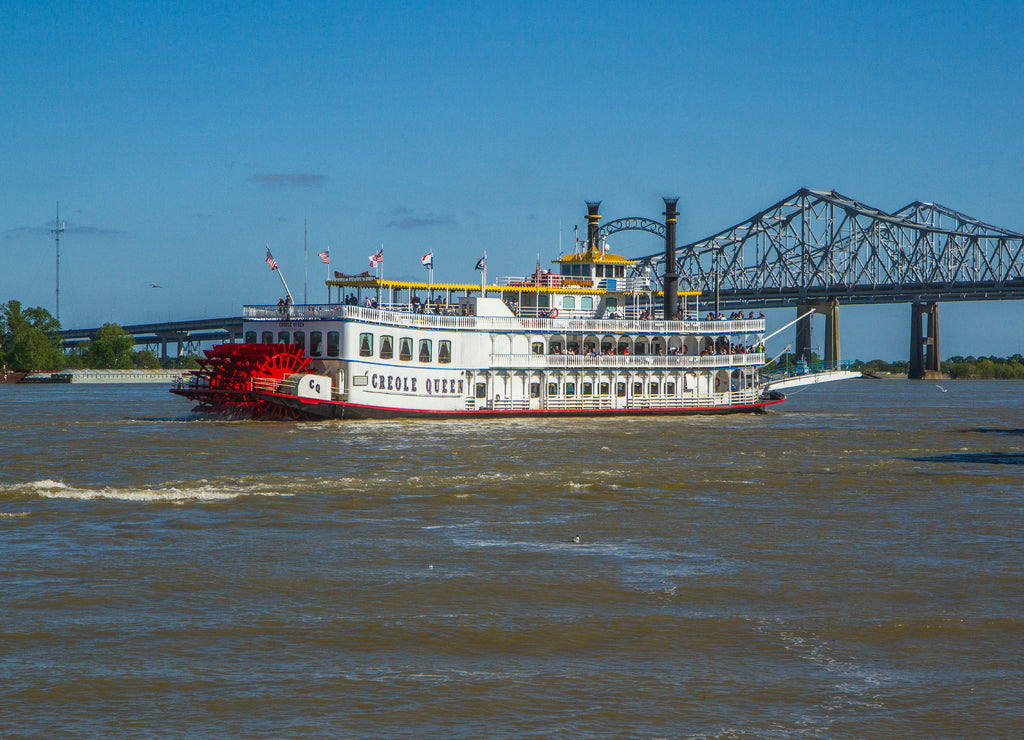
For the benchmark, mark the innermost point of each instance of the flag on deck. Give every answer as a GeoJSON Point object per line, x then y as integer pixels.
{"type": "Point", "coordinates": [325, 256]}
{"type": "Point", "coordinates": [481, 264]}
{"type": "Point", "coordinates": [270, 260]}
{"type": "Point", "coordinates": [376, 259]}
{"type": "Point", "coordinates": [428, 260]}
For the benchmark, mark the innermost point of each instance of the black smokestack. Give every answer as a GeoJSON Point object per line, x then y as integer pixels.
{"type": "Point", "coordinates": [592, 218]}
{"type": "Point", "coordinates": [671, 276]}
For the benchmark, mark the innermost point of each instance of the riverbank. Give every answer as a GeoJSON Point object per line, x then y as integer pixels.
{"type": "Point", "coordinates": [105, 376]}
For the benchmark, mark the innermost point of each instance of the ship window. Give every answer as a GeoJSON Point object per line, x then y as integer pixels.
{"type": "Point", "coordinates": [640, 348]}
{"type": "Point", "coordinates": [537, 348]}
{"type": "Point", "coordinates": [544, 301]}
{"type": "Point", "coordinates": [300, 339]}
{"type": "Point", "coordinates": [603, 389]}
{"type": "Point", "coordinates": [620, 389]}
{"type": "Point", "coordinates": [586, 271]}
{"type": "Point", "coordinates": [611, 303]}
{"type": "Point", "coordinates": [405, 349]}
{"type": "Point", "coordinates": [670, 389]}
{"type": "Point", "coordinates": [387, 350]}
{"type": "Point", "coordinates": [333, 343]}
{"type": "Point", "coordinates": [316, 343]}
{"type": "Point", "coordinates": [444, 351]}
{"type": "Point", "coordinates": [654, 389]}
{"type": "Point", "coordinates": [268, 337]}
{"type": "Point", "coordinates": [481, 390]}
{"type": "Point", "coordinates": [366, 345]}
{"type": "Point", "coordinates": [570, 389]}
{"type": "Point", "coordinates": [569, 302]}
{"type": "Point", "coordinates": [587, 303]}
{"type": "Point", "coordinates": [588, 389]}
{"type": "Point", "coordinates": [426, 350]}
{"type": "Point", "coordinates": [534, 390]}
{"type": "Point", "coordinates": [250, 337]}
{"type": "Point", "coordinates": [283, 337]}
{"type": "Point", "coordinates": [565, 269]}
{"type": "Point", "coordinates": [638, 389]}
{"type": "Point", "coordinates": [556, 348]}
{"type": "Point", "coordinates": [657, 349]}
{"type": "Point", "coordinates": [606, 347]}
{"type": "Point", "coordinates": [623, 348]}
{"type": "Point", "coordinates": [552, 389]}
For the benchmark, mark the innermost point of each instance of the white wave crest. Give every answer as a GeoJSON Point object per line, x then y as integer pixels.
{"type": "Point", "coordinates": [169, 494]}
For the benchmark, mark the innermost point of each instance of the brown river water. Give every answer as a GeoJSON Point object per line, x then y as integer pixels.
{"type": "Point", "coordinates": [850, 564]}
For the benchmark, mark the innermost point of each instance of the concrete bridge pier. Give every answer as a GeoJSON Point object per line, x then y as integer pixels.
{"type": "Point", "coordinates": [830, 310]}
{"type": "Point", "coordinates": [924, 347]}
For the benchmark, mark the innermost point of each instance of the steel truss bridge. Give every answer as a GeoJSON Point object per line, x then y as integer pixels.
{"type": "Point", "coordinates": [818, 247]}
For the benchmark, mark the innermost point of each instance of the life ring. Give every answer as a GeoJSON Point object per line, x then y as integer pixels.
{"type": "Point", "coordinates": [553, 313]}
{"type": "Point", "coordinates": [686, 350]}
{"type": "Point", "coordinates": [718, 383]}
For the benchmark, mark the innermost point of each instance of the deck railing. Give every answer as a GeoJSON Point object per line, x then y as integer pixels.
{"type": "Point", "coordinates": [631, 362]}
{"type": "Point", "coordinates": [337, 312]}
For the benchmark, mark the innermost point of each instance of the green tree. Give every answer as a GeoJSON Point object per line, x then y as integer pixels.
{"type": "Point", "coordinates": [145, 360]}
{"type": "Point", "coordinates": [29, 338]}
{"type": "Point", "coordinates": [110, 349]}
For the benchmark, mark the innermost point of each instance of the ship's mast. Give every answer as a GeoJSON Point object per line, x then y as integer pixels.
{"type": "Point", "coordinates": [58, 229]}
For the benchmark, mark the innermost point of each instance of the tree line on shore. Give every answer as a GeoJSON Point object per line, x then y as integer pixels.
{"type": "Point", "coordinates": [30, 340]}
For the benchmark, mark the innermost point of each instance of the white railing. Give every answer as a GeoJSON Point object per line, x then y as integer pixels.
{"type": "Point", "coordinates": [598, 403]}
{"type": "Point", "coordinates": [336, 312]}
{"type": "Point", "coordinates": [633, 362]}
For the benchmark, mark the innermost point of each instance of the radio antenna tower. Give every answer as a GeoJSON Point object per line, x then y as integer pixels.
{"type": "Point", "coordinates": [58, 229]}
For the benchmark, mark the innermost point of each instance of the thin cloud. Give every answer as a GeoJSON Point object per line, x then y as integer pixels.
{"type": "Point", "coordinates": [403, 218]}
{"type": "Point", "coordinates": [289, 179]}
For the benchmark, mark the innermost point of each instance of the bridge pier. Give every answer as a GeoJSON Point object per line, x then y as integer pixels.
{"type": "Point", "coordinates": [924, 347]}
{"type": "Point", "coordinates": [830, 310]}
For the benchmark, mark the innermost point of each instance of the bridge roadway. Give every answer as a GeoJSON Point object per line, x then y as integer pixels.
{"type": "Point", "coordinates": [187, 335]}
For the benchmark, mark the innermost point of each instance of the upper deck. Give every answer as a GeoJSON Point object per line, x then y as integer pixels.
{"type": "Point", "coordinates": [408, 318]}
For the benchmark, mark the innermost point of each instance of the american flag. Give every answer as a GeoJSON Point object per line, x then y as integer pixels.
{"type": "Point", "coordinates": [376, 259]}
{"type": "Point", "coordinates": [270, 260]}
{"type": "Point", "coordinates": [325, 256]}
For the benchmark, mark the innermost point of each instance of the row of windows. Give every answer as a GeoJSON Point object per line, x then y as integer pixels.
{"type": "Point", "coordinates": [386, 348]}
{"type": "Point", "coordinates": [587, 389]}
{"type": "Point", "coordinates": [578, 270]}
{"type": "Point", "coordinates": [316, 341]}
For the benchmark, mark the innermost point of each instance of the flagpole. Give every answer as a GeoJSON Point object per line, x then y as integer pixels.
{"type": "Point", "coordinates": [305, 264]}
{"type": "Point", "coordinates": [280, 274]}
{"type": "Point", "coordinates": [483, 277]}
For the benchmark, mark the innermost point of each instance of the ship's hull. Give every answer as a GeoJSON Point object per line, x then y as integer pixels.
{"type": "Point", "coordinates": [317, 409]}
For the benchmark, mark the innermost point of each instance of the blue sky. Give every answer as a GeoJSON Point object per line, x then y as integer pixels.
{"type": "Point", "coordinates": [180, 138]}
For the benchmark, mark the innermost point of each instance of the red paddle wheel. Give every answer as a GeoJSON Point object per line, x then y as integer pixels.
{"type": "Point", "coordinates": [227, 377]}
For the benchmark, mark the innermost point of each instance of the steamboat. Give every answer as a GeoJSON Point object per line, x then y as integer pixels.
{"type": "Point", "coordinates": [582, 338]}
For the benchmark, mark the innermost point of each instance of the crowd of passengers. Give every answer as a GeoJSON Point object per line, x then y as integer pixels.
{"type": "Point", "coordinates": [721, 346]}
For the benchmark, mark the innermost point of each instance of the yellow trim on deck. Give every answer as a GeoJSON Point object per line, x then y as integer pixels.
{"type": "Point", "coordinates": [373, 283]}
